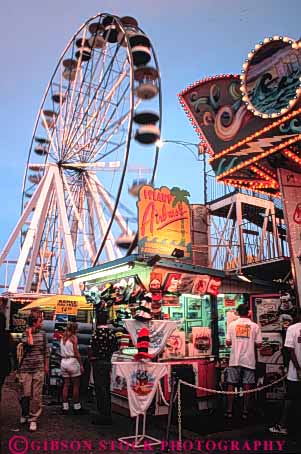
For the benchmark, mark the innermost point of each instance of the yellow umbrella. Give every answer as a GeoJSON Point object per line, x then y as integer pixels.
{"type": "Point", "coordinates": [51, 302]}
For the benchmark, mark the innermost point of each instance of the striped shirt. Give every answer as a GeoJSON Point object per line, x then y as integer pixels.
{"type": "Point", "coordinates": [36, 355]}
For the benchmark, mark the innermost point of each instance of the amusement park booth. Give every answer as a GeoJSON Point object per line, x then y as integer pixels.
{"type": "Point", "coordinates": [172, 265]}
{"type": "Point", "coordinates": [200, 299]}
{"type": "Point", "coordinates": [11, 304]}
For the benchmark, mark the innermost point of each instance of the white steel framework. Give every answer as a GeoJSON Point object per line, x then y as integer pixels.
{"type": "Point", "coordinates": [75, 201]}
{"type": "Point", "coordinates": [245, 230]}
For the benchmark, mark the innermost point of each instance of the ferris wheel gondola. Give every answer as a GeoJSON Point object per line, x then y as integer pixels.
{"type": "Point", "coordinates": [83, 151]}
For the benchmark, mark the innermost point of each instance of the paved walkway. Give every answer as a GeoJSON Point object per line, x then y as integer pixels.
{"type": "Point", "coordinates": [75, 434]}
{"type": "Point", "coordinates": [79, 434]}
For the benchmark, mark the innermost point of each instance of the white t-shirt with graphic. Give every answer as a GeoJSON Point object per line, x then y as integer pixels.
{"type": "Point", "coordinates": [142, 380]}
{"type": "Point", "coordinates": [293, 340]}
{"type": "Point", "coordinates": [243, 334]}
{"type": "Point", "coordinates": [159, 332]}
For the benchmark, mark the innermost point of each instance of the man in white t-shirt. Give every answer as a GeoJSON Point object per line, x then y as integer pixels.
{"type": "Point", "coordinates": [243, 336]}
{"type": "Point", "coordinates": [293, 344]}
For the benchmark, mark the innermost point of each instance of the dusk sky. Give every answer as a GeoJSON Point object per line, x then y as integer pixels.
{"type": "Point", "coordinates": [192, 39]}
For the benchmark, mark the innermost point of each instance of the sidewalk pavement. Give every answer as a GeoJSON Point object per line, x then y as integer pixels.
{"type": "Point", "coordinates": [82, 437]}
{"type": "Point", "coordinates": [80, 434]}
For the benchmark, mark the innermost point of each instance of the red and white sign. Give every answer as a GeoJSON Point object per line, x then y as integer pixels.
{"type": "Point", "coordinates": [290, 183]}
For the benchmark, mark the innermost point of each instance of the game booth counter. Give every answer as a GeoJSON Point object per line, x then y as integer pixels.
{"type": "Point", "coordinates": [194, 302]}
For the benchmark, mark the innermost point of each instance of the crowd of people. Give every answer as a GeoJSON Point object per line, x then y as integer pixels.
{"type": "Point", "coordinates": [243, 336]}
{"type": "Point", "coordinates": [33, 366]}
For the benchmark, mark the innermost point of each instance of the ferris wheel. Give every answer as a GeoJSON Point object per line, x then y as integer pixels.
{"type": "Point", "coordinates": [101, 104]}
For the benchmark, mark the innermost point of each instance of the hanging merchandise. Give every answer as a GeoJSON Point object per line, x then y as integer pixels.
{"type": "Point", "coordinates": [142, 381]}
{"type": "Point", "coordinates": [273, 323]}
{"type": "Point", "coordinates": [92, 296]}
{"type": "Point", "coordinates": [271, 350]}
{"type": "Point", "coordinates": [175, 346]}
{"type": "Point", "coordinates": [143, 345]}
{"type": "Point", "coordinates": [143, 312]}
{"type": "Point", "coordinates": [267, 312]}
{"type": "Point", "coordinates": [285, 321]}
{"type": "Point", "coordinates": [120, 305]}
{"type": "Point", "coordinates": [171, 291]}
{"type": "Point", "coordinates": [60, 324]}
{"type": "Point", "coordinates": [155, 287]}
{"type": "Point", "coordinates": [286, 303]}
{"type": "Point", "coordinates": [134, 298]}
{"type": "Point", "coordinates": [159, 332]}
{"type": "Point", "coordinates": [201, 341]}
{"type": "Point", "coordinates": [124, 340]}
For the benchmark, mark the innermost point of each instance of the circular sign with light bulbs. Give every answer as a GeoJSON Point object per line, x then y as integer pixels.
{"type": "Point", "coordinates": [271, 77]}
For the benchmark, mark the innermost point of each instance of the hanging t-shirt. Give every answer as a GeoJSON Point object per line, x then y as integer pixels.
{"type": "Point", "coordinates": [142, 380]}
{"type": "Point", "coordinates": [293, 340]}
{"type": "Point", "coordinates": [243, 334]}
{"type": "Point", "coordinates": [159, 332]}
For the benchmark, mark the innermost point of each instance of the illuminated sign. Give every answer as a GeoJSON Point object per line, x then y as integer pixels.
{"type": "Point", "coordinates": [250, 124]}
{"type": "Point", "coordinates": [271, 77]}
{"type": "Point", "coordinates": [164, 221]}
{"type": "Point", "coordinates": [291, 190]}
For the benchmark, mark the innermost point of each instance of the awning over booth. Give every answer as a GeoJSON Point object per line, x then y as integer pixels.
{"type": "Point", "coordinates": [51, 302]}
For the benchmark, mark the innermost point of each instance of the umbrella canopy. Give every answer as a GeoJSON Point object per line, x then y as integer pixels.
{"type": "Point", "coordinates": [50, 302]}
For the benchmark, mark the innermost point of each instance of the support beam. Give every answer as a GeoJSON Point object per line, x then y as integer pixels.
{"type": "Point", "coordinates": [110, 248]}
{"type": "Point", "coordinates": [37, 241]}
{"type": "Point", "coordinates": [24, 217]}
{"type": "Point", "coordinates": [108, 202]}
{"type": "Point", "coordinates": [67, 239]}
{"type": "Point", "coordinates": [29, 239]}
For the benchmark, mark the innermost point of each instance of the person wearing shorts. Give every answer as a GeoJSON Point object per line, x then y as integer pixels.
{"type": "Point", "coordinates": [71, 368]}
{"type": "Point", "coordinates": [293, 383]}
{"type": "Point", "coordinates": [243, 336]}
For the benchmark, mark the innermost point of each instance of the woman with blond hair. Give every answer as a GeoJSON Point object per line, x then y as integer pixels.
{"type": "Point", "coordinates": [71, 367]}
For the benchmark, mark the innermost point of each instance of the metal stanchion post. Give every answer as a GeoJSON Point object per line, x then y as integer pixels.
{"type": "Point", "coordinates": [174, 381]}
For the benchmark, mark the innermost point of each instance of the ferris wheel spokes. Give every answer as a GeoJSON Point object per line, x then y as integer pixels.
{"type": "Point", "coordinates": [108, 202]}
{"type": "Point", "coordinates": [95, 115]}
{"type": "Point", "coordinates": [39, 200]}
{"type": "Point", "coordinates": [37, 240]}
{"type": "Point", "coordinates": [79, 219]}
{"type": "Point", "coordinates": [89, 104]}
{"type": "Point", "coordinates": [86, 117]}
{"type": "Point", "coordinates": [110, 248]}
